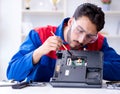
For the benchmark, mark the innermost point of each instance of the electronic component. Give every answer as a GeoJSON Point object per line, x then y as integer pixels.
{"type": "Point", "coordinates": [81, 69]}
{"type": "Point", "coordinates": [20, 85]}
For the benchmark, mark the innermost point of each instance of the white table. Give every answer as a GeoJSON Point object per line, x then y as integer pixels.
{"type": "Point", "coordinates": [48, 89]}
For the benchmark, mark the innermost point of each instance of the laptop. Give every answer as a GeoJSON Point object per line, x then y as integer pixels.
{"type": "Point", "coordinates": [81, 69]}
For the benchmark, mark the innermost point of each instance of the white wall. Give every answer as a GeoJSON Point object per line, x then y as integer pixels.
{"type": "Point", "coordinates": [0, 36]}
{"type": "Point", "coordinates": [10, 27]}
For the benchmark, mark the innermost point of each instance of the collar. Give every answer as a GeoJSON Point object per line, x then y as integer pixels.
{"type": "Point", "coordinates": [60, 30]}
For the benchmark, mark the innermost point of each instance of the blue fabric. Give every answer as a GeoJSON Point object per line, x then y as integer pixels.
{"type": "Point", "coordinates": [59, 31]}
{"type": "Point", "coordinates": [111, 65]}
{"type": "Point", "coordinates": [21, 66]}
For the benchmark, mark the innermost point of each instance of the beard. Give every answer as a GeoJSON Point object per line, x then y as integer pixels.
{"type": "Point", "coordinates": [74, 44]}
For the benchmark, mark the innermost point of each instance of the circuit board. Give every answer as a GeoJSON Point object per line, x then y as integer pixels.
{"type": "Point", "coordinates": [81, 69]}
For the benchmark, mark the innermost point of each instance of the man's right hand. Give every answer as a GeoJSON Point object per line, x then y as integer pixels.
{"type": "Point", "coordinates": [53, 43]}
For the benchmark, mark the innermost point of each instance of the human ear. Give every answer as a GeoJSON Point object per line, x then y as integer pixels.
{"type": "Point", "coordinates": [70, 22]}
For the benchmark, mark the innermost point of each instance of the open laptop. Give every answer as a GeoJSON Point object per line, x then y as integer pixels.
{"type": "Point", "coordinates": [81, 69]}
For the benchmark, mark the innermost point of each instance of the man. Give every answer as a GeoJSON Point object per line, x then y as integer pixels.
{"type": "Point", "coordinates": [36, 57]}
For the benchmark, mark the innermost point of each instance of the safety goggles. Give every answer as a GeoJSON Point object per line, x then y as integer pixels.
{"type": "Point", "coordinates": [80, 31]}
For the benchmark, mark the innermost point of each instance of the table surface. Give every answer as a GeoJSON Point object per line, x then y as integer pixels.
{"type": "Point", "coordinates": [48, 89]}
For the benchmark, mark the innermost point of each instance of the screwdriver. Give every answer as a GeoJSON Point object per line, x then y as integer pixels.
{"type": "Point", "coordinates": [63, 45]}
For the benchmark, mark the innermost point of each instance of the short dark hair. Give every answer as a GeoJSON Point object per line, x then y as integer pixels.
{"type": "Point", "coordinates": [93, 12]}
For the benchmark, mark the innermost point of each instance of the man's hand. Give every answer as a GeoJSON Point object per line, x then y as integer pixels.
{"type": "Point", "coordinates": [53, 43]}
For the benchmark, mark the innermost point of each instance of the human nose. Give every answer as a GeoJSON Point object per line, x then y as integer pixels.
{"type": "Point", "coordinates": [81, 38]}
